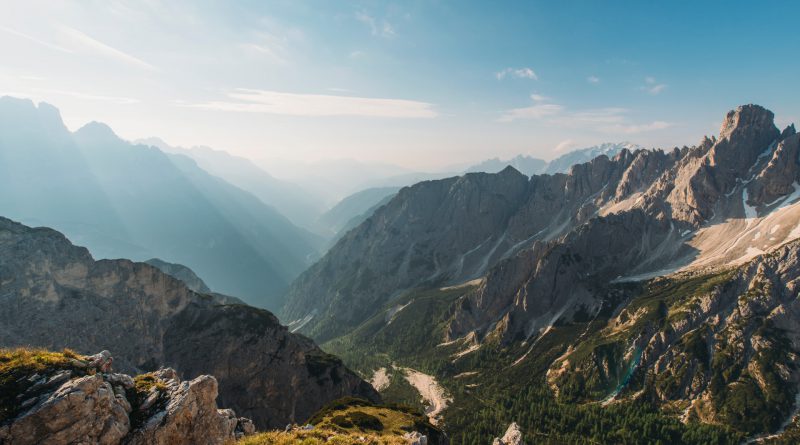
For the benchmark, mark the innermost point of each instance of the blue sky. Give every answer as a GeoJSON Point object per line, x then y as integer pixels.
{"type": "Point", "coordinates": [424, 84]}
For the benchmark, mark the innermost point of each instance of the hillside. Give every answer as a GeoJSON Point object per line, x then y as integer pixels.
{"type": "Point", "coordinates": [54, 295]}
{"type": "Point", "coordinates": [671, 358]}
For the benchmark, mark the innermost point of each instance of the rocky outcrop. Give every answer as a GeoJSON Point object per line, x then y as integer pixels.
{"type": "Point", "coordinates": [84, 402]}
{"type": "Point", "coordinates": [189, 414]}
{"type": "Point", "coordinates": [513, 436]}
{"type": "Point", "coordinates": [54, 295]}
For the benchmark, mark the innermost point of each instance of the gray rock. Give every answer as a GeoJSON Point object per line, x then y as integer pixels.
{"type": "Point", "coordinates": [82, 409]}
{"type": "Point", "coordinates": [88, 410]}
{"type": "Point", "coordinates": [513, 436]}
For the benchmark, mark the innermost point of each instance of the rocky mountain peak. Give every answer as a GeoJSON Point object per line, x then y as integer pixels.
{"type": "Point", "coordinates": [788, 131]}
{"type": "Point", "coordinates": [509, 170]}
{"type": "Point", "coordinates": [97, 132]}
{"type": "Point", "coordinates": [747, 119]}
{"type": "Point", "coordinates": [24, 115]}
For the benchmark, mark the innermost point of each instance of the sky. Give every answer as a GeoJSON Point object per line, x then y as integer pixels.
{"type": "Point", "coordinates": [421, 84]}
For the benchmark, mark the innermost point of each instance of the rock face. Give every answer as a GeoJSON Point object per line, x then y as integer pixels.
{"type": "Point", "coordinates": [54, 295]}
{"type": "Point", "coordinates": [513, 436]}
{"type": "Point", "coordinates": [723, 346]}
{"type": "Point", "coordinates": [548, 244]}
{"type": "Point", "coordinates": [291, 365]}
{"type": "Point", "coordinates": [86, 404]}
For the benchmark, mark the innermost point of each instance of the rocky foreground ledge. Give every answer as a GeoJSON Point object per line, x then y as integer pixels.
{"type": "Point", "coordinates": [65, 398]}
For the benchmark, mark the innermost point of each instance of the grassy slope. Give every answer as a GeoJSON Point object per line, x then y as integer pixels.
{"type": "Point", "coordinates": [354, 421]}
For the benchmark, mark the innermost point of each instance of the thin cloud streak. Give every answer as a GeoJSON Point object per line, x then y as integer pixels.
{"type": "Point", "coordinates": [121, 100]}
{"type": "Point", "coordinates": [35, 40]}
{"type": "Point", "coordinates": [532, 112]}
{"type": "Point", "coordinates": [294, 104]}
{"type": "Point", "coordinates": [103, 49]}
{"type": "Point", "coordinates": [273, 54]}
{"type": "Point", "coordinates": [612, 120]}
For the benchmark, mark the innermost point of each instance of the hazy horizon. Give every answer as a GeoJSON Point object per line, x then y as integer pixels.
{"type": "Point", "coordinates": [421, 85]}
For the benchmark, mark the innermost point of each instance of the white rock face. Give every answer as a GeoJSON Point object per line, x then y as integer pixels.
{"type": "Point", "coordinates": [87, 406]}
{"type": "Point", "coordinates": [513, 436]}
{"type": "Point", "coordinates": [84, 409]}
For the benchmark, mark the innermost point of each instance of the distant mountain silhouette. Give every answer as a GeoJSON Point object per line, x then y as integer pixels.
{"type": "Point", "coordinates": [134, 201]}
{"type": "Point", "coordinates": [301, 206]}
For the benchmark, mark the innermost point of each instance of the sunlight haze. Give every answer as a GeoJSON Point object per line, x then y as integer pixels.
{"type": "Point", "coordinates": [419, 84]}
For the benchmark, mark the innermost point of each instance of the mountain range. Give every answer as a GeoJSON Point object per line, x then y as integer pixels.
{"type": "Point", "coordinates": [134, 201]}
{"type": "Point", "coordinates": [651, 276]}
{"type": "Point", "coordinates": [619, 295]}
{"type": "Point", "coordinates": [301, 207]}
{"type": "Point", "coordinates": [643, 205]}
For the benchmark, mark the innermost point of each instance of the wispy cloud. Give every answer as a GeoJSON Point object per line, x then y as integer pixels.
{"type": "Point", "coordinates": [377, 27]}
{"type": "Point", "coordinates": [518, 73]}
{"type": "Point", "coordinates": [564, 145]}
{"type": "Point", "coordinates": [652, 87]}
{"type": "Point", "coordinates": [356, 54]}
{"type": "Point", "coordinates": [35, 40]}
{"type": "Point", "coordinates": [121, 100]}
{"type": "Point", "coordinates": [294, 104]}
{"type": "Point", "coordinates": [539, 98]}
{"type": "Point", "coordinates": [637, 128]}
{"type": "Point", "coordinates": [533, 112]}
{"type": "Point", "coordinates": [593, 79]}
{"type": "Point", "coordinates": [273, 52]}
{"type": "Point", "coordinates": [101, 48]}
{"type": "Point", "coordinates": [613, 120]}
